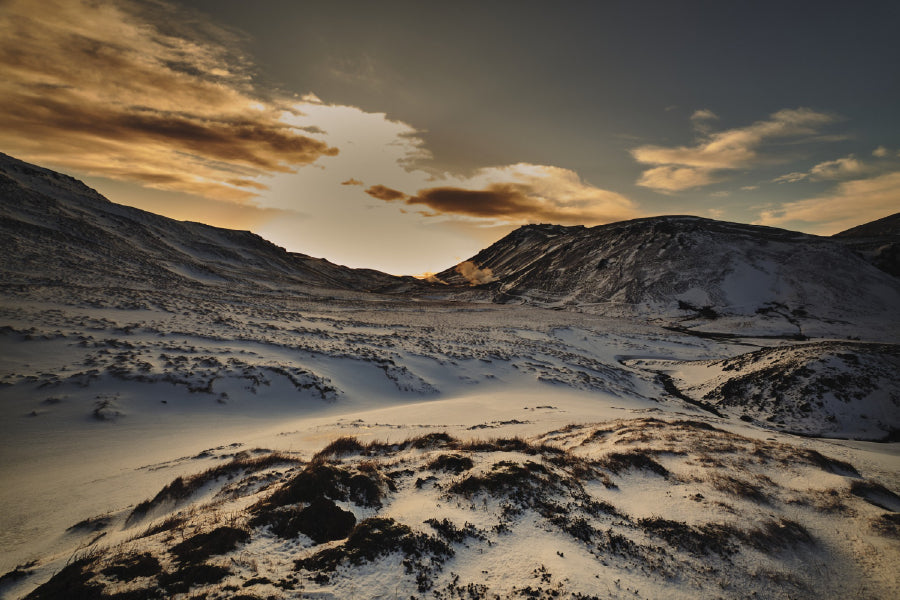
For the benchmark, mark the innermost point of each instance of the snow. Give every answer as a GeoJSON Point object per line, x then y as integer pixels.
{"type": "Point", "coordinates": [113, 384]}
{"type": "Point", "coordinates": [495, 372]}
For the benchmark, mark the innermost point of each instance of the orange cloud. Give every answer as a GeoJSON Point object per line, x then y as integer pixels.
{"type": "Point", "coordinates": [674, 179]}
{"type": "Point", "coordinates": [93, 85]}
{"type": "Point", "coordinates": [849, 204]}
{"type": "Point", "coordinates": [685, 167]}
{"type": "Point", "coordinates": [518, 194]}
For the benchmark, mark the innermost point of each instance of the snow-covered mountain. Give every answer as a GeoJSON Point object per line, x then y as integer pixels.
{"type": "Point", "coordinates": [878, 242]}
{"type": "Point", "coordinates": [56, 230]}
{"type": "Point", "coordinates": [681, 266]}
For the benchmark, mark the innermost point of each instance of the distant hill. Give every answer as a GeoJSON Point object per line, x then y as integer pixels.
{"type": "Point", "coordinates": [886, 226]}
{"type": "Point", "coordinates": [54, 229]}
{"type": "Point", "coordinates": [878, 242]}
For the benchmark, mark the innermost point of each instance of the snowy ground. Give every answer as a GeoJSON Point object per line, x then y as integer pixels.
{"type": "Point", "coordinates": [620, 489]}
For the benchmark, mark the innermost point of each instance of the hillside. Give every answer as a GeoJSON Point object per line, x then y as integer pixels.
{"type": "Point", "coordinates": [56, 230]}
{"type": "Point", "coordinates": [833, 388]}
{"type": "Point", "coordinates": [687, 268]}
{"type": "Point", "coordinates": [878, 242]}
{"type": "Point", "coordinates": [632, 508]}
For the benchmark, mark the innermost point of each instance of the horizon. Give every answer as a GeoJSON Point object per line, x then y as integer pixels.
{"type": "Point", "coordinates": [430, 274]}
{"type": "Point", "coordinates": [407, 137]}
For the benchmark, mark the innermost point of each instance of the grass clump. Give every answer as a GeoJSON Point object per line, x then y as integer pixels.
{"type": "Point", "coordinates": [618, 462]}
{"type": "Point", "coordinates": [322, 521]}
{"type": "Point", "coordinates": [887, 524]}
{"type": "Point", "coordinates": [342, 446]}
{"type": "Point", "coordinates": [876, 494]}
{"type": "Point", "coordinates": [450, 532]}
{"type": "Point", "coordinates": [432, 440]}
{"type": "Point", "coordinates": [182, 580]}
{"type": "Point", "coordinates": [182, 488]}
{"type": "Point", "coordinates": [453, 463]}
{"type": "Point", "coordinates": [72, 582]}
{"type": "Point", "coordinates": [203, 545]}
{"type": "Point", "coordinates": [739, 488]}
{"type": "Point", "coordinates": [317, 486]}
{"type": "Point", "coordinates": [514, 444]}
{"type": "Point", "coordinates": [320, 480]}
{"type": "Point", "coordinates": [377, 537]}
{"type": "Point", "coordinates": [774, 536]}
{"type": "Point", "coordinates": [132, 566]}
{"type": "Point", "coordinates": [826, 463]}
{"type": "Point", "coordinates": [702, 540]}
{"type": "Point", "coordinates": [509, 479]}
{"type": "Point", "coordinates": [92, 524]}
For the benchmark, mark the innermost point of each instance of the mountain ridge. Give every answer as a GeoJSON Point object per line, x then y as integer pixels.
{"type": "Point", "coordinates": [677, 265]}
{"type": "Point", "coordinates": [877, 241]}
{"type": "Point", "coordinates": [682, 267]}
{"type": "Point", "coordinates": [53, 224]}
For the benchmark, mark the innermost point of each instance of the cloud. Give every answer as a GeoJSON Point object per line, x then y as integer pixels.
{"type": "Point", "coordinates": [704, 114]}
{"type": "Point", "coordinates": [675, 179]}
{"type": "Point", "coordinates": [849, 204]}
{"type": "Point", "coordinates": [94, 85]}
{"type": "Point", "coordinates": [473, 274]}
{"type": "Point", "coordinates": [724, 150]}
{"type": "Point", "coordinates": [385, 193]}
{"type": "Point", "coordinates": [701, 120]}
{"type": "Point", "coordinates": [352, 181]}
{"type": "Point", "coordinates": [841, 168]}
{"type": "Point", "coordinates": [880, 152]}
{"type": "Point", "coordinates": [518, 193]}
{"type": "Point", "coordinates": [793, 177]}
{"type": "Point", "coordinates": [847, 167]}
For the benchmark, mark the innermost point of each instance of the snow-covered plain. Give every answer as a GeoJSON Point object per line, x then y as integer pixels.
{"type": "Point", "coordinates": [112, 394]}
{"type": "Point", "coordinates": [181, 421]}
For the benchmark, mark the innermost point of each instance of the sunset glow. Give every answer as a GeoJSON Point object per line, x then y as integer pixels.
{"type": "Point", "coordinates": [403, 152]}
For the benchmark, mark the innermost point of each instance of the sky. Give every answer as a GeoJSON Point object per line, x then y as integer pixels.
{"type": "Point", "coordinates": [406, 136]}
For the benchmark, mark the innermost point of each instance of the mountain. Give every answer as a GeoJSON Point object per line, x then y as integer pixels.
{"type": "Point", "coordinates": [682, 267]}
{"type": "Point", "coordinates": [56, 230]}
{"type": "Point", "coordinates": [884, 227]}
{"type": "Point", "coordinates": [878, 242]}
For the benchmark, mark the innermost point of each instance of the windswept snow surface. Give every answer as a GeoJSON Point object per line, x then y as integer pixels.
{"type": "Point", "coordinates": [111, 394]}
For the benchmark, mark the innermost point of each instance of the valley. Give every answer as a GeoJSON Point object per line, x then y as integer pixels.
{"type": "Point", "coordinates": [182, 419]}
